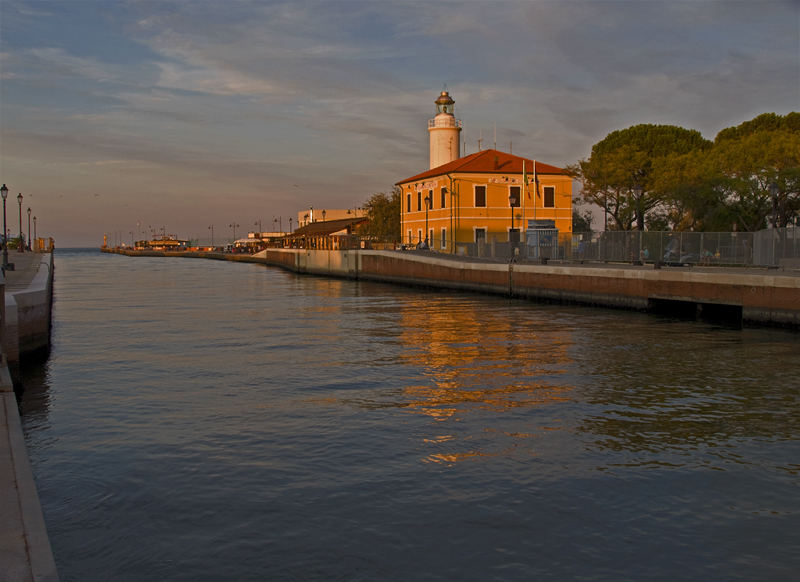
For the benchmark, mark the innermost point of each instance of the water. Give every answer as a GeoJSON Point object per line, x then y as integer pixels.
{"type": "Point", "coordinates": [203, 420]}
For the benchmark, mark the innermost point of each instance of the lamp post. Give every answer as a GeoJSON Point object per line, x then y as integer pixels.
{"type": "Point", "coordinates": [211, 228]}
{"type": "Point", "coordinates": [428, 203]}
{"type": "Point", "coordinates": [637, 193]}
{"type": "Point", "coordinates": [290, 224]}
{"type": "Point", "coordinates": [323, 215]}
{"type": "Point", "coordinates": [19, 244]}
{"type": "Point", "coordinates": [512, 239]}
{"type": "Point", "coordinates": [29, 229]}
{"type": "Point", "coordinates": [4, 193]}
{"type": "Point", "coordinates": [233, 225]}
{"type": "Point", "coordinates": [773, 191]}
{"type": "Point", "coordinates": [34, 228]}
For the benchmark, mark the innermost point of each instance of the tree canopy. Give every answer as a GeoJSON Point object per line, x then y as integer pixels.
{"type": "Point", "coordinates": [658, 175]}
{"type": "Point", "coordinates": [383, 217]}
{"type": "Point", "coordinates": [619, 175]}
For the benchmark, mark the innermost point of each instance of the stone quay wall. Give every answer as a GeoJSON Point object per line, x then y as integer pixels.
{"type": "Point", "coordinates": [757, 296]}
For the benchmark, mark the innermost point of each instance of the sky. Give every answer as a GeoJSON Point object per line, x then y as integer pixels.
{"type": "Point", "coordinates": [123, 117]}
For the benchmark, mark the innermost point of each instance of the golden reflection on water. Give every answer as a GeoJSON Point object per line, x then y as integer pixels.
{"type": "Point", "coordinates": [479, 363]}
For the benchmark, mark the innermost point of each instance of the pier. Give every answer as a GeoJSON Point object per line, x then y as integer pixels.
{"type": "Point", "coordinates": [755, 296]}
{"type": "Point", "coordinates": [25, 553]}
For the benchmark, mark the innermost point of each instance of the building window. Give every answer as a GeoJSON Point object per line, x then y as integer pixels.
{"type": "Point", "coordinates": [419, 235]}
{"type": "Point", "coordinates": [408, 203]}
{"type": "Point", "coordinates": [480, 235]}
{"type": "Point", "coordinates": [410, 240]}
{"type": "Point", "coordinates": [430, 199]}
{"type": "Point", "coordinates": [444, 236]}
{"type": "Point", "coordinates": [514, 196]}
{"type": "Point", "coordinates": [549, 196]}
{"type": "Point", "coordinates": [444, 197]}
{"type": "Point", "coordinates": [430, 237]}
{"type": "Point", "coordinates": [480, 196]}
{"type": "Point", "coordinates": [419, 200]}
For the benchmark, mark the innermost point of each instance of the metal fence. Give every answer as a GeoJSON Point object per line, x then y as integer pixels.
{"type": "Point", "coordinates": [766, 248]}
{"type": "Point", "coordinates": [671, 248]}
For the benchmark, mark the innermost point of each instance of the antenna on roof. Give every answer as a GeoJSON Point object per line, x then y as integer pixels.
{"type": "Point", "coordinates": [480, 139]}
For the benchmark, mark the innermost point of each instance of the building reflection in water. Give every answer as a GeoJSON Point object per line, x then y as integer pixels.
{"type": "Point", "coordinates": [487, 366]}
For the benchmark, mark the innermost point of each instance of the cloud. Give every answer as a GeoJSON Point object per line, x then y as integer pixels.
{"type": "Point", "coordinates": [56, 61]}
{"type": "Point", "coordinates": [335, 95]}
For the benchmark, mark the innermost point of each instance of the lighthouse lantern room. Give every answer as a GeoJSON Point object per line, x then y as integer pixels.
{"type": "Point", "coordinates": [444, 130]}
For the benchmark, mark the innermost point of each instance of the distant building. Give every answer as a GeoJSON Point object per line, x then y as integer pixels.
{"type": "Point", "coordinates": [167, 242]}
{"type": "Point", "coordinates": [476, 198]}
{"type": "Point", "coordinates": [312, 215]}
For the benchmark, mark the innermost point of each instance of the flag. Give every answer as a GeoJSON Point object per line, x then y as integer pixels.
{"type": "Point", "coordinates": [535, 179]}
{"type": "Point", "coordinates": [525, 179]}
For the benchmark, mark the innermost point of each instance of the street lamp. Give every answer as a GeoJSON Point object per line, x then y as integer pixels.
{"type": "Point", "coordinates": [211, 228]}
{"type": "Point", "coordinates": [29, 228]}
{"type": "Point", "coordinates": [4, 193]}
{"type": "Point", "coordinates": [428, 202]}
{"type": "Point", "coordinates": [773, 191]}
{"type": "Point", "coordinates": [512, 203]}
{"type": "Point", "coordinates": [323, 215]}
{"type": "Point", "coordinates": [19, 244]}
{"type": "Point", "coordinates": [34, 228]}
{"type": "Point", "coordinates": [233, 226]}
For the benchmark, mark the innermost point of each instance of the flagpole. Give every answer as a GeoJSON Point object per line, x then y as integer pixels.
{"type": "Point", "coordinates": [535, 185]}
{"type": "Point", "coordinates": [524, 193]}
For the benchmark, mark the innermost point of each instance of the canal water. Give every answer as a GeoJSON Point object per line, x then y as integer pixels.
{"type": "Point", "coordinates": [203, 420]}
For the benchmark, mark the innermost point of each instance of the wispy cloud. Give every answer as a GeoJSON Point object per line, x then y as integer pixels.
{"type": "Point", "coordinates": [168, 96]}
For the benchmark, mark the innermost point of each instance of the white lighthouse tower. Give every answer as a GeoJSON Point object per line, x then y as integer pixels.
{"type": "Point", "coordinates": [445, 131]}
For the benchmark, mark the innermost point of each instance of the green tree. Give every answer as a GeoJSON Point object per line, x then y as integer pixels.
{"type": "Point", "coordinates": [582, 221]}
{"type": "Point", "coordinates": [689, 188]}
{"type": "Point", "coordinates": [619, 174]}
{"type": "Point", "coordinates": [731, 183]}
{"type": "Point", "coordinates": [752, 157]}
{"type": "Point", "coordinates": [383, 217]}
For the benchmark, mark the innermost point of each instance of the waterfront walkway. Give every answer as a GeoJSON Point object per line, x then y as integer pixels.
{"type": "Point", "coordinates": [26, 266]}
{"type": "Point", "coordinates": [25, 553]}
{"type": "Point", "coordinates": [736, 295]}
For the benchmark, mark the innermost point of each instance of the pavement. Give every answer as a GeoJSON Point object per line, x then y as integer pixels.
{"type": "Point", "coordinates": [25, 553]}
{"type": "Point", "coordinates": [26, 265]}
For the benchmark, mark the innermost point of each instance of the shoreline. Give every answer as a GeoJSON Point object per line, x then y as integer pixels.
{"type": "Point", "coordinates": [734, 296]}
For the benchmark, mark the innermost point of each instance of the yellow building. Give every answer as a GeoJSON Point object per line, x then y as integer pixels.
{"type": "Point", "coordinates": [485, 196]}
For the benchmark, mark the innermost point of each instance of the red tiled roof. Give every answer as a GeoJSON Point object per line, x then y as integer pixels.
{"type": "Point", "coordinates": [487, 162]}
{"type": "Point", "coordinates": [325, 228]}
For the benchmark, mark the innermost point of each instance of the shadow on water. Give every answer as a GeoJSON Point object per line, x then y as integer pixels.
{"type": "Point", "coordinates": [729, 316]}
{"type": "Point", "coordinates": [31, 384]}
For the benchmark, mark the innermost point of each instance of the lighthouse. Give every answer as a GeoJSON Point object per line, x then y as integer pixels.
{"type": "Point", "coordinates": [445, 131]}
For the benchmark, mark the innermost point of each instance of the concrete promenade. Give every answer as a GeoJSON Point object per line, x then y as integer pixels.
{"type": "Point", "coordinates": [755, 296]}
{"type": "Point", "coordinates": [25, 553]}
